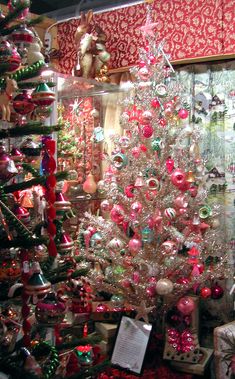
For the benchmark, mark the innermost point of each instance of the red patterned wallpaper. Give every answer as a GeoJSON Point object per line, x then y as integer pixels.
{"type": "Point", "coordinates": [190, 28]}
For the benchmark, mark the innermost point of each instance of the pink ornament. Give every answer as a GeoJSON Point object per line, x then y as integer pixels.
{"type": "Point", "coordinates": [170, 165]}
{"type": "Point", "coordinates": [169, 247]}
{"type": "Point", "coordinates": [147, 117]}
{"type": "Point", "coordinates": [216, 292]}
{"type": "Point", "coordinates": [186, 305]}
{"type": "Point", "coordinates": [193, 191]}
{"type": "Point", "coordinates": [181, 211]}
{"type": "Point", "coordinates": [142, 64]}
{"type": "Point", "coordinates": [117, 214]}
{"type": "Point", "coordinates": [136, 207]}
{"type": "Point", "coordinates": [144, 73]}
{"type": "Point", "coordinates": [136, 152]}
{"type": "Point", "coordinates": [178, 177]}
{"type": "Point", "coordinates": [151, 195]}
{"type": "Point", "coordinates": [136, 277]}
{"type": "Point", "coordinates": [152, 59]}
{"type": "Point", "coordinates": [183, 113]}
{"type": "Point", "coordinates": [89, 186]}
{"type": "Point", "coordinates": [129, 191]}
{"type": "Point", "coordinates": [180, 201]}
{"type": "Point", "coordinates": [134, 245]}
{"type": "Point", "coordinates": [147, 131]}
{"type": "Point", "coordinates": [106, 206]}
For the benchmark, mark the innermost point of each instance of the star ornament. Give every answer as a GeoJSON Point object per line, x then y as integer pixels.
{"type": "Point", "coordinates": [148, 28]}
{"type": "Point", "coordinates": [143, 311]}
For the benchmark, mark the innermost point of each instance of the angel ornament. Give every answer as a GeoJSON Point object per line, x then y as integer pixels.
{"type": "Point", "coordinates": [91, 51]}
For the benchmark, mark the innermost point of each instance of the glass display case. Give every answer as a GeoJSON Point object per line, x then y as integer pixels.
{"type": "Point", "coordinates": [83, 106]}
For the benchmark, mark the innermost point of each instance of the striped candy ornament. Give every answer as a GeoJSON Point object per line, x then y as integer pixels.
{"type": "Point", "coordinates": [170, 213]}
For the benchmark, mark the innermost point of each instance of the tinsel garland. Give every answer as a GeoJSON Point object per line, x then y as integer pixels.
{"type": "Point", "coordinates": [30, 23]}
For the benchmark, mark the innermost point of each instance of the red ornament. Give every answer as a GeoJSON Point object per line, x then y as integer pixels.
{"type": "Point", "coordinates": [205, 292]}
{"type": "Point", "coordinates": [186, 305]}
{"type": "Point", "coordinates": [170, 165]}
{"type": "Point", "coordinates": [22, 103]}
{"type": "Point", "coordinates": [42, 95]}
{"type": "Point", "coordinates": [22, 36]}
{"type": "Point", "coordinates": [10, 55]}
{"type": "Point", "coordinates": [183, 113]}
{"type": "Point", "coordinates": [162, 122]}
{"type": "Point", "coordinates": [147, 131]}
{"type": "Point", "coordinates": [155, 103]}
{"type": "Point", "coordinates": [22, 214]}
{"type": "Point", "coordinates": [216, 291]}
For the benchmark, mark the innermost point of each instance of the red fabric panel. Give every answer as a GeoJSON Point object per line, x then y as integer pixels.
{"type": "Point", "coordinates": [190, 28]}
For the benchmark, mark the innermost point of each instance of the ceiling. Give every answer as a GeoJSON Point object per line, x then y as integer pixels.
{"type": "Point", "coordinates": [53, 8]}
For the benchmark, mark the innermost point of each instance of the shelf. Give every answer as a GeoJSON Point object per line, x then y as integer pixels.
{"type": "Point", "coordinates": [72, 86]}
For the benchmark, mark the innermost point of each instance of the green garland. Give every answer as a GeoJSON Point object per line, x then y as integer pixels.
{"type": "Point", "coordinates": [23, 242]}
{"type": "Point", "coordinates": [33, 182]}
{"type": "Point", "coordinates": [12, 16]}
{"type": "Point", "coordinates": [29, 85]}
{"type": "Point", "coordinates": [42, 349]}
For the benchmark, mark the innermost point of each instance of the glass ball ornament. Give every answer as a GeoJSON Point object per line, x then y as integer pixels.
{"type": "Point", "coordinates": [50, 311]}
{"type": "Point", "coordinates": [147, 131]}
{"type": "Point", "coordinates": [178, 177]}
{"type": "Point", "coordinates": [147, 235]}
{"type": "Point", "coordinates": [205, 212]}
{"type": "Point", "coordinates": [9, 55]}
{"type": "Point", "coordinates": [22, 103]}
{"type": "Point", "coordinates": [169, 247]}
{"type": "Point", "coordinates": [217, 291]}
{"type": "Point", "coordinates": [170, 213]}
{"type": "Point", "coordinates": [43, 112]}
{"type": "Point", "coordinates": [186, 305]}
{"type": "Point", "coordinates": [117, 214]}
{"type": "Point", "coordinates": [22, 214]}
{"type": "Point", "coordinates": [144, 73]}
{"type": "Point", "coordinates": [151, 290]}
{"type": "Point", "coordinates": [155, 103]}
{"type": "Point", "coordinates": [42, 95]}
{"type": "Point", "coordinates": [106, 206]}
{"type": "Point", "coordinates": [170, 164]}
{"type": "Point", "coordinates": [10, 270]}
{"type": "Point", "coordinates": [96, 240]}
{"type": "Point", "coordinates": [136, 207]}
{"type": "Point", "coordinates": [119, 161]}
{"type": "Point", "coordinates": [205, 292]}
{"type": "Point", "coordinates": [134, 245]}
{"type": "Point", "coordinates": [153, 184]}
{"type": "Point", "coordinates": [65, 245]}
{"type": "Point", "coordinates": [117, 300]}
{"type": "Point", "coordinates": [161, 90]}
{"type": "Point", "coordinates": [7, 166]}
{"type": "Point", "coordinates": [102, 308]}
{"type": "Point", "coordinates": [146, 117]}
{"type": "Point", "coordinates": [85, 355]}
{"type": "Point", "coordinates": [164, 286]}
{"type": "Point", "coordinates": [89, 186]}
{"type": "Point", "coordinates": [183, 113]}
{"type": "Point", "coordinates": [115, 244]}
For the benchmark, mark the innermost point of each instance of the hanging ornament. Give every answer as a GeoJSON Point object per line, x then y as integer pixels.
{"type": "Point", "coordinates": [161, 90]}
{"type": "Point", "coordinates": [22, 38]}
{"type": "Point", "coordinates": [186, 305]}
{"type": "Point", "coordinates": [157, 144]}
{"type": "Point", "coordinates": [16, 155]}
{"type": "Point", "coordinates": [10, 56]}
{"type": "Point", "coordinates": [61, 205]}
{"type": "Point", "coordinates": [119, 161]}
{"type": "Point", "coordinates": [22, 214]}
{"type": "Point", "coordinates": [217, 291]}
{"type": "Point", "coordinates": [13, 4]}
{"type": "Point", "coordinates": [25, 201]}
{"type": "Point", "coordinates": [37, 285]}
{"type": "Point", "coordinates": [205, 292]}
{"type": "Point", "coordinates": [170, 213]}
{"type": "Point", "coordinates": [178, 177]}
{"type": "Point", "coordinates": [139, 182]}
{"type": "Point", "coordinates": [7, 166]}
{"type": "Point", "coordinates": [30, 148]}
{"type": "Point", "coordinates": [65, 245]}
{"type": "Point", "coordinates": [50, 311]}
{"type": "Point", "coordinates": [164, 287]}
{"type": "Point", "coordinates": [190, 178]}
{"type": "Point", "coordinates": [89, 186]}
{"type": "Point", "coordinates": [183, 113]}
{"type": "Point", "coordinates": [147, 131]}
{"type": "Point", "coordinates": [42, 95]}
{"type": "Point", "coordinates": [146, 117]}
{"type": "Point", "coordinates": [117, 214]}
{"type": "Point", "coordinates": [153, 184]}
{"type": "Point", "coordinates": [170, 165]}
{"type": "Point", "coordinates": [134, 245]}
{"type": "Point", "coordinates": [42, 112]}
{"type": "Point", "coordinates": [22, 103]}
{"type": "Point", "coordinates": [96, 240]}
{"type": "Point", "coordinates": [10, 270]}
{"type": "Point", "coordinates": [85, 355]}
{"type": "Point", "coordinates": [205, 212]}
{"type": "Point", "coordinates": [147, 235]}
{"type": "Point", "coordinates": [155, 103]}
{"type": "Point", "coordinates": [115, 244]}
